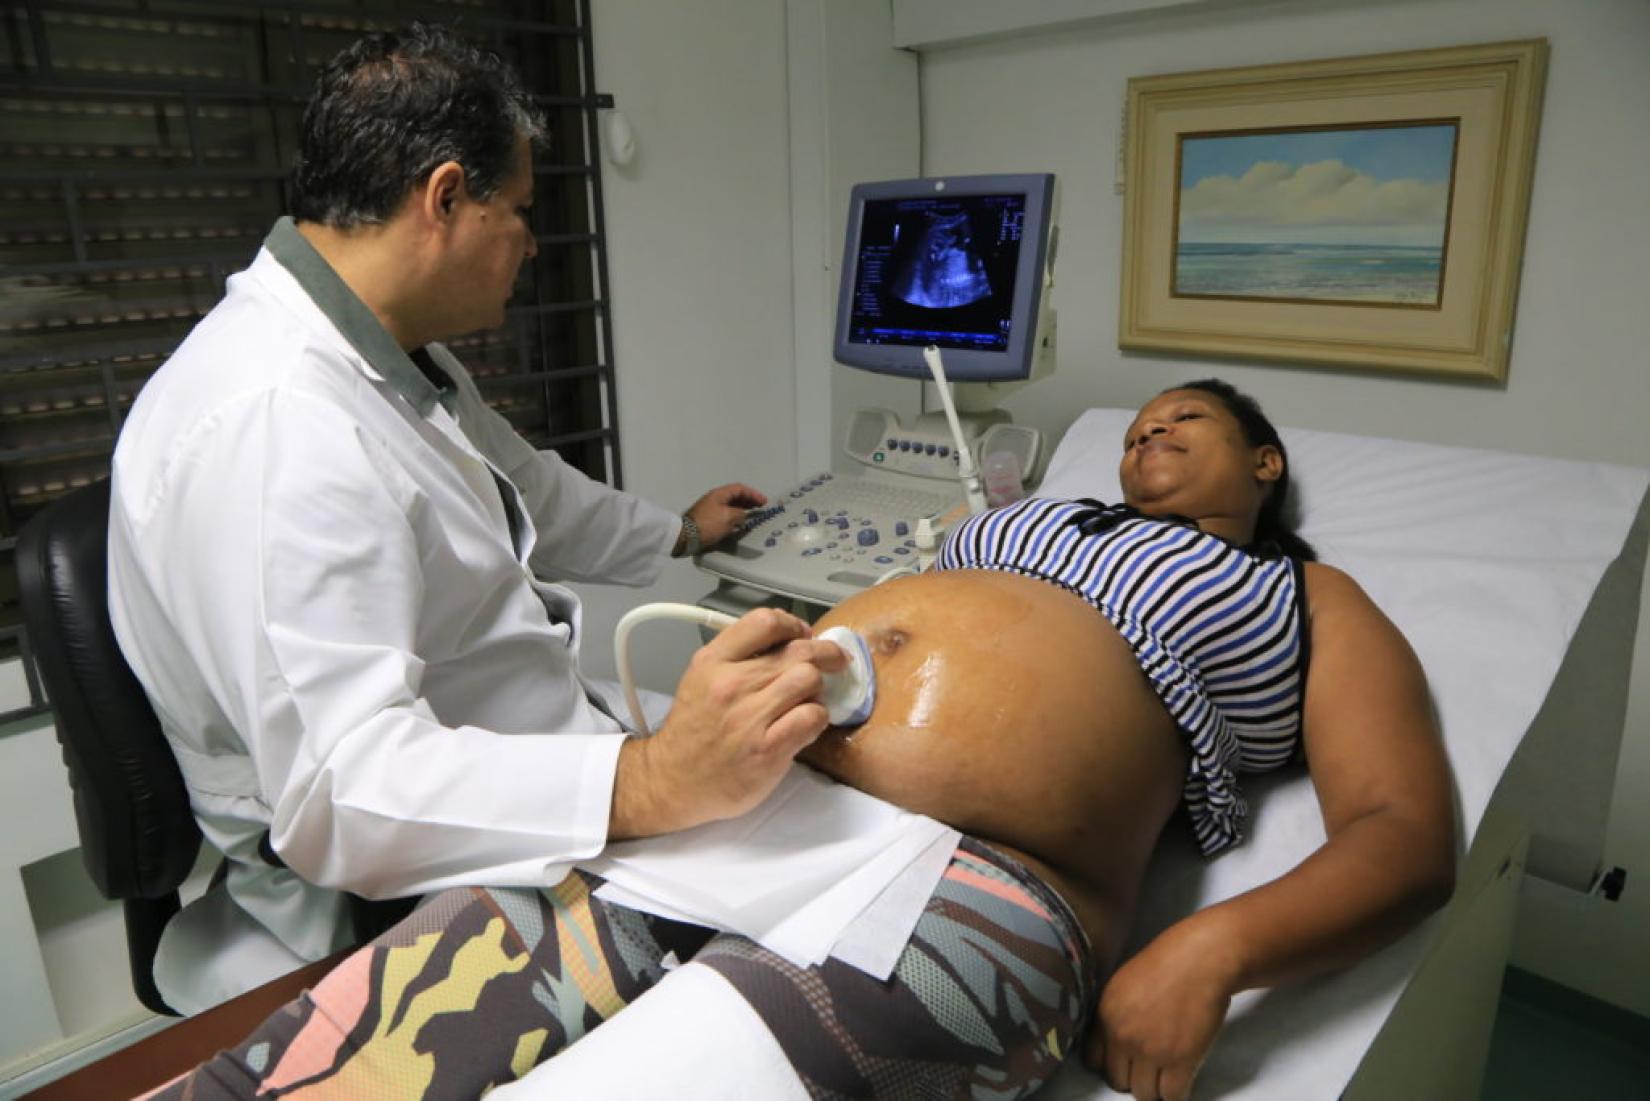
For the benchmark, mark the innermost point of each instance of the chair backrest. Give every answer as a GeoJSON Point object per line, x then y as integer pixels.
{"type": "Point", "coordinates": [137, 833]}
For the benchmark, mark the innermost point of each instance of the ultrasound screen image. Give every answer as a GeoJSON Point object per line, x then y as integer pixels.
{"type": "Point", "coordinates": [944, 270]}
{"type": "Point", "coordinates": [938, 270]}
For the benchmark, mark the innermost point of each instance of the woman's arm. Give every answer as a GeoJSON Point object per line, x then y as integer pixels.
{"type": "Point", "coordinates": [1383, 784]}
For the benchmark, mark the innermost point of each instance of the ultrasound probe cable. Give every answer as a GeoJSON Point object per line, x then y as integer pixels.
{"type": "Point", "coordinates": [973, 490]}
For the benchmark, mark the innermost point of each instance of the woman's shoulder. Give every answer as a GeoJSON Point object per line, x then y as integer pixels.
{"type": "Point", "coordinates": [1328, 586]}
{"type": "Point", "coordinates": [1318, 573]}
{"type": "Point", "coordinates": [1336, 602]}
{"type": "Point", "coordinates": [1329, 581]}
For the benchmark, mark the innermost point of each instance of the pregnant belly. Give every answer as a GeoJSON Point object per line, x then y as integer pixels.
{"type": "Point", "coordinates": [1010, 709]}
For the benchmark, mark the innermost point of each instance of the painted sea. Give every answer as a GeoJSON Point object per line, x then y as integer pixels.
{"type": "Point", "coordinates": [1346, 273]}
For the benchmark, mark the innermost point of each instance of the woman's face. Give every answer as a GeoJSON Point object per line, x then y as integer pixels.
{"type": "Point", "coordinates": [1186, 454]}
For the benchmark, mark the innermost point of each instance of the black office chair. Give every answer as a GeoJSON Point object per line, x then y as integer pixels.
{"type": "Point", "coordinates": [138, 835]}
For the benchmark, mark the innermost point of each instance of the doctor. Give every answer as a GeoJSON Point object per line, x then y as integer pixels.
{"type": "Point", "coordinates": [337, 572]}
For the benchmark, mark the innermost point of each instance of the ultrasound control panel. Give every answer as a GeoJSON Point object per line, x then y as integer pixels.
{"type": "Point", "coordinates": [831, 536]}
{"type": "Point", "coordinates": [835, 534]}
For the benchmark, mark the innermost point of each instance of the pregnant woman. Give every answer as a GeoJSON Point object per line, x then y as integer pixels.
{"type": "Point", "coordinates": [1065, 681]}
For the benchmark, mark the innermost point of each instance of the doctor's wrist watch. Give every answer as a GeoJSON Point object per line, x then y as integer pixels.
{"type": "Point", "coordinates": [689, 544]}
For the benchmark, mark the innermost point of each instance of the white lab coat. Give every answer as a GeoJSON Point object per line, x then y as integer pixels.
{"type": "Point", "coordinates": [315, 583]}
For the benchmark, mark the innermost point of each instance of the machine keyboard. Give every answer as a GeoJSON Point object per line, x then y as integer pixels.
{"type": "Point", "coordinates": [830, 537]}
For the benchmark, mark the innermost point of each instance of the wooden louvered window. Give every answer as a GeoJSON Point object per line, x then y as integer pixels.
{"type": "Point", "coordinates": [144, 149]}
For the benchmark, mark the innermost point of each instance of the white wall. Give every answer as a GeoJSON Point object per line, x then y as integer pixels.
{"type": "Point", "coordinates": [1579, 384]}
{"type": "Point", "coordinates": [39, 823]}
{"type": "Point", "coordinates": [752, 119]}
{"type": "Point", "coordinates": [699, 234]}
{"type": "Point", "coordinates": [854, 116]}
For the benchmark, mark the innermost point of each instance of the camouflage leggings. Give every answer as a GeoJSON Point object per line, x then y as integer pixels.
{"type": "Point", "coordinates": [478, 986]}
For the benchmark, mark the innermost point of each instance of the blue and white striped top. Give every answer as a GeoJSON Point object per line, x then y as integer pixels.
{"type": "Point", "coordinates": [1219, 632]}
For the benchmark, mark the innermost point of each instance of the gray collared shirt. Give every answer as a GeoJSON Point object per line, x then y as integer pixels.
{"type": "Point", "coordinates": [358, 324]}
{"type": "Point", "coordinates": [414, 376]}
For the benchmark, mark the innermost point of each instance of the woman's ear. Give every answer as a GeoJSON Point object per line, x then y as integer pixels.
{"type": "Point", "coordinates": [1268, 463]}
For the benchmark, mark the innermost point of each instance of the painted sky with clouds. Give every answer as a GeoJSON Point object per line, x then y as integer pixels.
{"type": "Point", "coordinates": [1383, 185]}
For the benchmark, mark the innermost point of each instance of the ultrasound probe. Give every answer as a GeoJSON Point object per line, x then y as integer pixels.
{"type": "Point", "coordinates": [848, 695]}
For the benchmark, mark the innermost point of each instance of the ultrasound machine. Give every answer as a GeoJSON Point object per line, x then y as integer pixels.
{"type": "Point", "coordinates": [943, 279]}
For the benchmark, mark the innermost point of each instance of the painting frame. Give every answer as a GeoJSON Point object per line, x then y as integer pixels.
{"type": "Point", "coordinates": [1492, 93]}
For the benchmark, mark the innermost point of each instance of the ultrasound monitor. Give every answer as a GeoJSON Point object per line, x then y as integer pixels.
{"type": "Point", "coordinates": [958, 262]}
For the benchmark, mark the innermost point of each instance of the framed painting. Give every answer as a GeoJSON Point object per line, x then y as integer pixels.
{"type": "Point", "coordinates": [1364, 212]}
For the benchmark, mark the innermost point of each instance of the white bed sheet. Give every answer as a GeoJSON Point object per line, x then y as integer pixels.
{"type": "Point", "coordinates": [1486, 562]}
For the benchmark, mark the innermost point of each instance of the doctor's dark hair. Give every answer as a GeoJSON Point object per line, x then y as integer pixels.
{"type": "Point", "coordinates": [1275, 525]}
{"type": "Point", "coordinates": [391, 108]}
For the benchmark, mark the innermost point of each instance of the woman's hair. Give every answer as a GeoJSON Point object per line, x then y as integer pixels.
{"type": "Point", "coordinates": [391, 108]}
{"type": "Point", "coordinates": [1275, 524]}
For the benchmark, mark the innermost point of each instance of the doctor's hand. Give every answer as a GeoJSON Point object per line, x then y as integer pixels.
{"type": "Point", "coordinates": [745, 707]}
{"type": "Point", "coordinates": [721, 512]}
{"type": "Point", "coordinates": [1159, 1015]}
